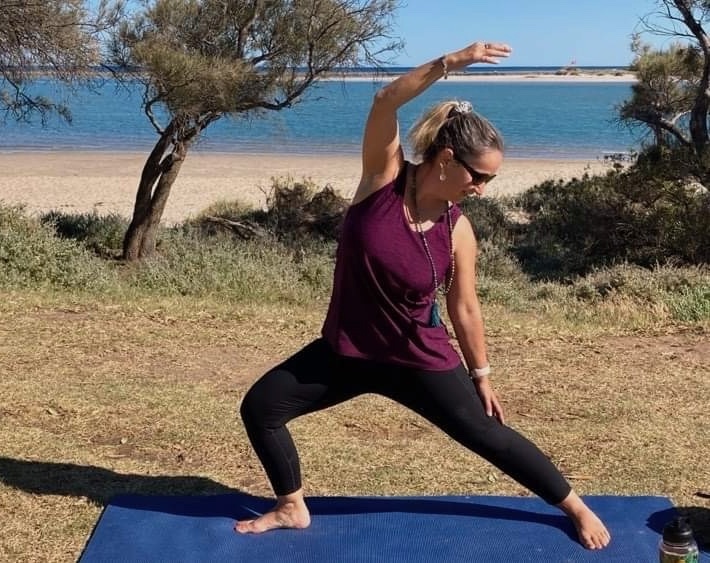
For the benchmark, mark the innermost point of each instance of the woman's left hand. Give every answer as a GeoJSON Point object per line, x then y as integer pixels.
{"type": "Point", "coordinates": [489, 398]}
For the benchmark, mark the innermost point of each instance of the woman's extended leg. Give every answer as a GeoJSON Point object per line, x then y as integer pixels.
{"type": "Point", "coordinates": [449, 400]}
{"type": "Point", "coordinates": [301, 384]}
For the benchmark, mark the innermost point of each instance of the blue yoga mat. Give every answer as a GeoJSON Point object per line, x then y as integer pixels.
{"type": "Point", "coordinates": [372, 529]}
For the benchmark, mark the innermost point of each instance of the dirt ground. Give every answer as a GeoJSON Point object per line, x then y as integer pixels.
{"type": "Point", "coordinates": [102, 399]}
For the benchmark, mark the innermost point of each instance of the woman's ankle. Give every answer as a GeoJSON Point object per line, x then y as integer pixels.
{"type": "Point", "coordinates": [572, 504]}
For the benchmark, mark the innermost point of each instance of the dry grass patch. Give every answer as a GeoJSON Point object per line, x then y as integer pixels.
{"type": "Point", "coordinates": [102, 398]}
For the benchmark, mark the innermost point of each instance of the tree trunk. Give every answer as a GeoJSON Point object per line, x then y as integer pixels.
{"type": "Point", "coordinates": [699, 114]}
{"type": "Point", "coordinates": [140, 239]}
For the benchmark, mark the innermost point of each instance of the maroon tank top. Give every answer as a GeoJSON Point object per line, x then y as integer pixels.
{"type": "Point", "coordinates": [383, 286]}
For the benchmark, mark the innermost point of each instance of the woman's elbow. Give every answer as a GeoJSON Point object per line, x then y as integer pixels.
{"type": "Point", "coordinates": [385, 97]}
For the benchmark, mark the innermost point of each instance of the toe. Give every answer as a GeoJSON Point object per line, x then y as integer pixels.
{"type": "Point", "coordinates": [244, 526]}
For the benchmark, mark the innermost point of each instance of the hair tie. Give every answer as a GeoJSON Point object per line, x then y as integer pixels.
{"type": "Point", "coordinates": [461, 108]}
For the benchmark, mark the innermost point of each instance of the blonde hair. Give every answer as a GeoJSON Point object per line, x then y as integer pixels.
{"type": "Point", "coordinates": [455, 125]}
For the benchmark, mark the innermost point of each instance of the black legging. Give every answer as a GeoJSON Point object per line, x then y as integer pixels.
{"type": "Point", "coordinates": [316, 378]}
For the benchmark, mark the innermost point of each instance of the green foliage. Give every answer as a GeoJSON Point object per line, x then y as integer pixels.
{"type": "Point", "coordinates": [201, 57]}
{"type": "Point", "coordinates": [624, 217]}
{"type": "Point", "coordinates": [102, 234]}
{"type": "Point", "coordinates": [188, 263]}
{"type": "Point", "coordinates": [685, 292]}
{"type": "Point", "coordinates": [297, 214]}
{"type": "Point", "coordinates": [57, 35]}
{"type": "Point", "coordinates": [32, 256]}
{"type": "Point", "coordinates": [220, 266]}
{"type": "Point", "coordinates": [635, 282]}
{"type": "Point", "coordinates": [204, 59]}
{"type": "Point", "coordinates": [691, 304]}
{"type": "Point", "coordinates": [670, 98]}
{"type": "Point", "coordinates": [667, 84]}
{"type": "Point", "coordinates": [489, 218]}
{"type": "Point", "coordinates": [58, 253]}
{"type": "Point", "coordinates": [495, 233]}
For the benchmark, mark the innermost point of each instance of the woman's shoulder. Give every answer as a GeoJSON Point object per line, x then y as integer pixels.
{"type": "Point", "coordinates": [377, 187]}
{"type": "Point", "coordinates": [456, 212]}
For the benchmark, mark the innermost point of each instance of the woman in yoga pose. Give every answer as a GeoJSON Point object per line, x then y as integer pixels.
{"type": "Point", "coordinates": [404, 240]}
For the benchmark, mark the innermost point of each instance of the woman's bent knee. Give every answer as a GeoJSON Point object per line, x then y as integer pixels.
{"type": "Point", "coordinates": [264, 404]}
{"type": "Point", "coordinates": [254, 408]}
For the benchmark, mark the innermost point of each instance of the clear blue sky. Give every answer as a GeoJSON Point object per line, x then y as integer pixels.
{"type": "Point", "coordinates": [541, 32]}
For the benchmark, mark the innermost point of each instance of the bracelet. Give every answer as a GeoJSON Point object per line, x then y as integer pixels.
{"type": "Point", "coordinates": [478, 373]}
{"type": "Point", "coordinates": [444, 66]}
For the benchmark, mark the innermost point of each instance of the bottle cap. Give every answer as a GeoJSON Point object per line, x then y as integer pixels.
{"type": "Point", "coordinates": [678, 531]}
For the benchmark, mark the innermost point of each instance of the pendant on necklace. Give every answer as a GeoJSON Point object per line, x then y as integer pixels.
{"type": "Point", "coordinates": [435, 317]}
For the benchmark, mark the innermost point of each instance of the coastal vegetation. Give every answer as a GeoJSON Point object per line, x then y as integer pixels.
{"type": "Point", "coordinates": [672, 95]}
{"type": "Point", "coordinates": [631, 235]}
{"type": "Point", "coordinates": [203, 61]}
{"type": "Point", "coordinates": [59, 38]}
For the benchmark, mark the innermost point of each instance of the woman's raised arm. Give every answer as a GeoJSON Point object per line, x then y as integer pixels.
{"type": "Point", "coordinates": [382, 155]}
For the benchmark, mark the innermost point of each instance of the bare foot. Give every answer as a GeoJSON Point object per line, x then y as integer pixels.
{"type": "Point", "coordinates": [591, 530]}
{"type": "Point", "coordinates": [286, 514]}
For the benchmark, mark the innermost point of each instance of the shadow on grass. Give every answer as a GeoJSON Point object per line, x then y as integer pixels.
{"type": "Point", "coordinates": [98, 484]}
{"type": "Point", "coordinates": [145, 492]}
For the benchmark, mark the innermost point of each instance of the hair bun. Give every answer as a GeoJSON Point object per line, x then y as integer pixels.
{"type": "Point", "coordinates": [461, 108]}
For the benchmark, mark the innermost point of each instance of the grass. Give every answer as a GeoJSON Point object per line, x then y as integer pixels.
{"type": "Point", "coordinates": [103, 396]}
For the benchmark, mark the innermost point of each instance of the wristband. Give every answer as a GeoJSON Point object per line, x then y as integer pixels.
{"type": "Point", "coordinates": [478, 373]}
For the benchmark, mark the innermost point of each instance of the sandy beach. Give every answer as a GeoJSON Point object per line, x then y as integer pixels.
{"type": "Point", "coordinates": [493, 76]}
{"type": "Point", "coordinates": [80, 182]}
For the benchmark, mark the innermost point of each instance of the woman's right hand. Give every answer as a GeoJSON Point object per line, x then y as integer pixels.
{"type": "Point", "coordinates": [488, 397]}
{"type": "Point", "coordinates": [478, 52]}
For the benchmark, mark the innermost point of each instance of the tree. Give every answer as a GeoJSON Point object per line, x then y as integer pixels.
{"type": "Point", "coordinates": [199, 60]}
{"type": "Point", "coordinates": [57, 38]}
{"type": "Point", "coordinates": [672, 96]}
{"type": "Point", "coordinates": [664, 93]}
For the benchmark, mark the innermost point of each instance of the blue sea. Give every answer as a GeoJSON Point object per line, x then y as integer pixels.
{"type": "Point", "coordinates": [559, 120]}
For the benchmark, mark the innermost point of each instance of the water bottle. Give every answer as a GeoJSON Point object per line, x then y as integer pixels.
{"type": "Point", "coordinates": [678, 545]}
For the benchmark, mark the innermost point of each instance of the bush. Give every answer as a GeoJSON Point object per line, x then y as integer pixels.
{"type": "Point", "coordinates": [489, 217]}
{"type": "Point", "coordinates": [297, 214]}
{"type": "Point", "coordinates": [623, 217]}
{"type": "Point", "coordinates": [32, 256]}
{"type": "Point", "coordinates": [189, 263]}
{"type": "Point", "coordinates": [102, 234]}
{"type": "Point", "coordinates": [684, 292]}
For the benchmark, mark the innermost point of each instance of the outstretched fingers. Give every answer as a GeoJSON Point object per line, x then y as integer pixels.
{"type": "Point", "coordinates": [493, 52]}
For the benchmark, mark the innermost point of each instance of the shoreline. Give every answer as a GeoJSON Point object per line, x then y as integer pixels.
{"type": "Point", "coordinates": [620, 76]}
{"type": "Point", "coordinates": [492, 74]}
{"type": "Point", "coordinates": [106, 182]}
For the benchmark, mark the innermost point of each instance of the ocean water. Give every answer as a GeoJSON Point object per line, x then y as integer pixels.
{"type": "Point", "coordinates": [537, 119]}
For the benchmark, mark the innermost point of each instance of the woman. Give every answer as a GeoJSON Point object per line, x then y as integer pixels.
{"type": "Point", "coordinates": [403, 237]}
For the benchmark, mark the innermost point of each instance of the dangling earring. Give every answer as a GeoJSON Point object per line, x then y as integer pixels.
{"type": "Point", "coordinates": [442, 175]}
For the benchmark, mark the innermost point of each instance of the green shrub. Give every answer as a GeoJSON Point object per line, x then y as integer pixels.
{"type": "Point", "coordinates": [102, 234]}
{"type": "Point", "coordinates": [31, 255]}
{"type": "Point", "coordinates": [495, 262]}
{"type": "Point", "coordinates": [190, 263]}
{"type": "Point", "coordinates": [489, 218]}
{"type": "Point", "coordinates": [691, 304]}
{"type": "Point", "coordinates": [622, 217]}
{"type": "Point", "coordinates": [684, 290]}
{"type": "Point", "coordinates": [297, 214]}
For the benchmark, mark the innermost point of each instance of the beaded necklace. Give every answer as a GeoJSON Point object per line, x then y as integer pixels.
{"type": "Point", "coordinates": [435, 316]}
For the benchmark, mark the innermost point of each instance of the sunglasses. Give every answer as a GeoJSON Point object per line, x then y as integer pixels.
{"type": "Point", "coordinates": [478, 178]}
